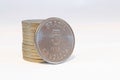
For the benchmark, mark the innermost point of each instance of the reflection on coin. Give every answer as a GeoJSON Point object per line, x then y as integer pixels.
{"type": "Point", "coordinates": [54, 40]}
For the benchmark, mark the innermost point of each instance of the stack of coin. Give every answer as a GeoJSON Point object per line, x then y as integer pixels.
{"type": "Point", "coordinates": [51, 40]}
{"type": "Point", "coordinates": [28, 46]}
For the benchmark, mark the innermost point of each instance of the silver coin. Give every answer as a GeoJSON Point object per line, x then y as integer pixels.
{"type": "Point", "coordinates": [54, 40]}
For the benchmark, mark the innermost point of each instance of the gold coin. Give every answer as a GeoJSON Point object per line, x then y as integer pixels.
{"type": "Point", "coordinates": [33, 60]}
{"type": "Point", "coordinates": [28, 43]}
{"type": "Point", "coordinates": [31, 56]}
{"type": "Point", "coordinates": [28, 34]}
{"type": "Point", "coordinates": [30, 50]}
{"type": "Point", "coordinates": [26, 31]}
{"type": "Point", "coordinates": [28, 37]}
{"type": "Point", "coordinates": [29, 29]}
{"type": "Point", "coordinates": [31, 53]}
{"type": "Point", "coordinates": [30, 47]}
{"type": "Point", "coordinates": [29, 26]}
{"type": "Point", "coordinates": [28, 40]}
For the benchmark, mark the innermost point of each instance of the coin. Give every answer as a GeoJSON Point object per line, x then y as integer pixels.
{"type": "Point", "coordinates": [28, 43]}
{"type": "Point", "coordinates": [54, 40]}
{"type": "Point", "coordinates": [32, 60]}
{"type": "Point", "coordinates": [29, 55]}
{"type": "Point", "coordinates": [28, 47]}
{"type": "Point", "coordinates": [28, 40]}
{"type": "Point", "coordinates": [30, 51]}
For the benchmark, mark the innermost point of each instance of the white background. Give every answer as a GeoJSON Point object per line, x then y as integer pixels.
{"type": "Point", "coordinates": [96, 24]}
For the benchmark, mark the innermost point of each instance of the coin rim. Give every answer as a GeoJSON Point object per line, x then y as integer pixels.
{"type": "Point", "coordinates": [36, 44]}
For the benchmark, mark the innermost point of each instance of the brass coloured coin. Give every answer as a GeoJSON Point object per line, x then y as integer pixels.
{"type": "Point", "coordinates": [33, 60]}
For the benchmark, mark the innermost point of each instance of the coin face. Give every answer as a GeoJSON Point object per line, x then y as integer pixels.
{"type": "Point", "coordinates": [54, 40]}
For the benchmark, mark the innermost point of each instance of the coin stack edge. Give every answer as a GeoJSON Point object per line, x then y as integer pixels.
{"type": "Point", "coordinates": [28, 46]}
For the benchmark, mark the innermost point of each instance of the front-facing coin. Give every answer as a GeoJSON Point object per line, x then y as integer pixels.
{"type": "Point", "coordinates": [54, 40]}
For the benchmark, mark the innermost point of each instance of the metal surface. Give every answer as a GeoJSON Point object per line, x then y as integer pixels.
{"type": "Point", "coordinates": [54, 40]}
{"type": "Point", "coordinates": [28, 46]}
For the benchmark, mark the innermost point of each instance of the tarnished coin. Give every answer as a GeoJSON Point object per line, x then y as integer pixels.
{"type": "Point", "coordinates": [54, 40]}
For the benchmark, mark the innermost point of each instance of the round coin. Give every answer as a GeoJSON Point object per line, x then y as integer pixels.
{"type": "Point", "coordinates": [54, 40]}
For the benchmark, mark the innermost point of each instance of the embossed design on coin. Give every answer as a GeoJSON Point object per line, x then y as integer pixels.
{"type": "Point", "coordinates": [54, 40]}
